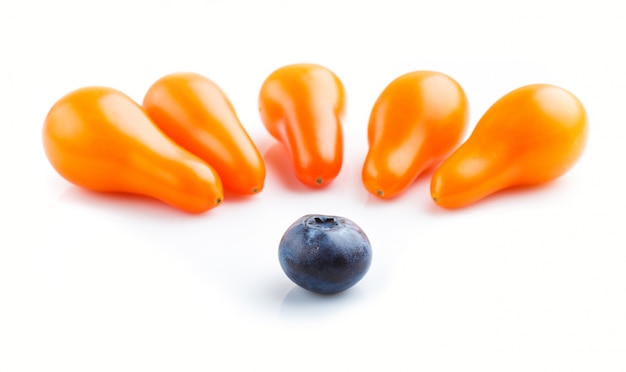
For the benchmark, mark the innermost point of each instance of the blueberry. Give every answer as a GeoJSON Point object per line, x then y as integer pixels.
{"type": "Point", "coordinates": [325, 254]}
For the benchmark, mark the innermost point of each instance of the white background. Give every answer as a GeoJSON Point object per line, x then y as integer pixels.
{"type": "Point", "coordinates": [530, 280]}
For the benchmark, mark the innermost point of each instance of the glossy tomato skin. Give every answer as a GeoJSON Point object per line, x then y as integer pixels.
{"type": "Point", "coordinates": [302, 106]}
{"type": "Point", "coordinates": [530, 136]}
{"type": "Point", "coordinates": [193, 111]}
{"type": "Point", "coordinates": [100, 139]}
{"type": "Point", "coordinates": [418, 119]}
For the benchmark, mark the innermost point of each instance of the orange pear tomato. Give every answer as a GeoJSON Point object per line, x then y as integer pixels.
{"type": "Point", "coordinates": [417, 121]}
{"type": "Point", "coordinates": [530, 136]}
{"type": "Point", "coordinates": [100, 139]}
{"type": "Point", "coordinates": [302, 106]}
{"type": "Point", "coordinates": [196, 114]}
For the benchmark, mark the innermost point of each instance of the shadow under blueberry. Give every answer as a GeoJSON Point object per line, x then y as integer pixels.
{"type": "Point", "coordinates": [301, 304]}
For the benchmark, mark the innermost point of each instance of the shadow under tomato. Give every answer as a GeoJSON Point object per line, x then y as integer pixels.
{"type": "Point", "coordinates": [416, 193]}
{"type": "Point", "coordinates": [278, 162]}
{"type": "Point", "coordinates": [231, 197]}
{"type": "Point", "coordinates": [123, 202]}
{"type": "Point", "coordinates": [510, 197]}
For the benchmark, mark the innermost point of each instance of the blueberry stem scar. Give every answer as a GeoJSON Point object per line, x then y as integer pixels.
{"type": "Point", "coordinates": [322, 221]}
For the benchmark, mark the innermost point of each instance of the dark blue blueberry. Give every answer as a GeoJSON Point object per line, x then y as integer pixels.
{"type": "Point", "coordinates": [325, 254]}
